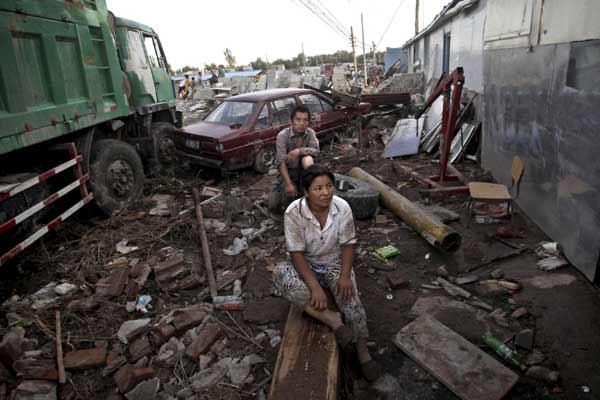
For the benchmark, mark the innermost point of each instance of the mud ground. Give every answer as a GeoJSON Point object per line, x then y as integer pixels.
{"type": "Point", "coordinates": [564, 308]}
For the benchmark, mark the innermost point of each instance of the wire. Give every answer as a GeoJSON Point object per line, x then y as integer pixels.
{"type": "Point", "coordinates": [336, 29]}
{"type": "Point", "coordinates": [390, 23]}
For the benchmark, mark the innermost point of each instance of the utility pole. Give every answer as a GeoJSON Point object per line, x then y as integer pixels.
{"type": "Point", "coordinates": [303, 59]}
{"type": "Point", "coordinates": [363, 46]}
{"type": "Point", "coordinates": [353, 43]}
{"type": "Point", "coordinates": [374, 53]}
{"type": "Point", "coordinates": [417, 18]}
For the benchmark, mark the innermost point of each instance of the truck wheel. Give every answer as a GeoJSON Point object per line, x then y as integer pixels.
{"type": "Point", "coordinates": [265, 159]}
{"type": "Point", "coordinates": [163, 148]}
{"type": "Point", "coordinates": [363, 200]}
{"type": "Point", "coordinates": [116, 174]}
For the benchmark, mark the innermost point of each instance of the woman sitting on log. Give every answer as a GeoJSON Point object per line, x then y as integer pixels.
{"type": "Point", "coordinates": [320, 237]}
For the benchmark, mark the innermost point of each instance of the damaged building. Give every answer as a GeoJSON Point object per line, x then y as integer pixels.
{"type": "Point", "coordinates": [537, 90]}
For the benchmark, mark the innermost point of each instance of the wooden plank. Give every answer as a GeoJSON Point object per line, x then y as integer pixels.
{"type": "Point", "coordinates": [465, 369]}
{"type": "Point", "coordinates": [307, 365]}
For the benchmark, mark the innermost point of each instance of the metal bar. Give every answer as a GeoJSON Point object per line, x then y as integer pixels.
{"type": "Point", "coordinates": [39, 206]}
{"type": "Point", "coordinates": [40, 178]}
{"type": "Point", "coordinates": [431, 229]}
{"type": "Point", "coordinates": [44, 230]}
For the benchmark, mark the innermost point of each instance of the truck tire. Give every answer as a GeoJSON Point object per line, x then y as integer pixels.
{"type": "Point", "coordinates": [265, 159]}
{"type": "Point", "coordinates": [163, 157]}
{"type": "Point", "coordinates": [363, 200]}
{"type": "Point", "coordinates": [116, 174]}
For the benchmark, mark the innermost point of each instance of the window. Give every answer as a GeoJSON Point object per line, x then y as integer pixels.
{"type": "Point", "coordinates": [426, 52]}
{"type": "Point", "coordinates": [135, 49]}
{"type": "Point", "coordinates": [231, 113]}
{"type": "Point", "coordinates": [282, 110]}
{"type": "Point", "coordinates": [312, 102]}
{"type": "Point", "coordinates": [584, 64]}
{"type": "Point", "coordinates": [327, 106]}
{"type": "Point", "coordinates": [262, 121]}
{"type": "Point", "coordinates": [151, 51]}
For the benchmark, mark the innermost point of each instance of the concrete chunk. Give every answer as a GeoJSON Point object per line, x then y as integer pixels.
{"type": "Point", "coordinates": [83, 359]}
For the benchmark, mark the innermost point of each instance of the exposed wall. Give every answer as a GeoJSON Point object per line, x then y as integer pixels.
{"type": "Point", "coordinates": [542, 96]}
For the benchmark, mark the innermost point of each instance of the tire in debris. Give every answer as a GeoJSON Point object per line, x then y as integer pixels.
{"type": "Point", "coordinates": [363, 200]}
{"type": "Point", "coordinates": [265, 159]}
{"type": "Point", "coordinates": [116, 175]}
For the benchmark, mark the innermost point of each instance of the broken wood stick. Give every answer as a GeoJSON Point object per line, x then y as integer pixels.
{"type": "Point", "coordinates": [495, 259]}
{"type": "Point", "coordinates": [62, 378]}
{"type": "Point", "coordinates": [210, 274]}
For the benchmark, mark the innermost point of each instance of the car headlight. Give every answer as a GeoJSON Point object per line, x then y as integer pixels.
{"type": "Point", "coordinates": [220, 147]}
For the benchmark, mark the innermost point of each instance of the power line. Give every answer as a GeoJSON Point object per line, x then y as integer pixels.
{"type": "Point", "coordinates": [336, 29]}
{"type": "Point", "coordinates": [390, 23]}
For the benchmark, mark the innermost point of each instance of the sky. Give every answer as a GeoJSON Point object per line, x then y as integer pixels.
{"type": "Point", "coordinates": [196, 32]}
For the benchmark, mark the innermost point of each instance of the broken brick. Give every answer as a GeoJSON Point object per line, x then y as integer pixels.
{"type": "Point", "coordinates": [171, 263]}
{"type": "Point", "coordinates": [187, 318]}
{"type": "Point", "coordinates": [139, 348]}
{"type": "Point", "coordinates": [83, 359]}
{"type": "Point", "coordinates": [11, 347]}
{"type": "Point", "coordinates": [398, 280]}
{"type": "Point", "coordinates": [114, 284]}
{"type": "Point", "coordinates": [203, 341]}
{"type": "Point", "coordinates": [162, 333]}
{"type": "Point", "coordinates": [519, 312]}
{"type": "Point", "coordinates": [36, 369]}
{"type": "Point", "coordinates": [35, 389]}
{"type": "Point", "coordinates": [84, 305]}
{"type": "Point", "coordinates": [129, 377]}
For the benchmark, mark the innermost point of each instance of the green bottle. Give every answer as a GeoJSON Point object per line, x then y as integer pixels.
{"type": "Point", "coordinates": [503, 350]}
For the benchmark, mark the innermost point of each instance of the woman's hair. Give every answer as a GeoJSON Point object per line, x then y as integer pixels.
{"type": "Point", "coordinates": [313, 172]}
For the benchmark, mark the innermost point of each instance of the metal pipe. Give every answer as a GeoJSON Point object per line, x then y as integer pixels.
{"type": "Point", "coordinates": [431, 229]}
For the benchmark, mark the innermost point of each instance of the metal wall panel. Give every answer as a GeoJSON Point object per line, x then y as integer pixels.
{"type": "Point", "coordinates": [530, 111]}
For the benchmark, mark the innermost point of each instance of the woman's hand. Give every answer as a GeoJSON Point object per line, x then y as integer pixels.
{"type": "Point", "coordinates": [318, 298]}
{"type": "Point", "coordinates": [344, 289]}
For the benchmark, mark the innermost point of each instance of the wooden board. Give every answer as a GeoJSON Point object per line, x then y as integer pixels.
{"type": "Point", "coordinates": [307, 365]}
{"type": "Point", "coordinates": [465, 369]}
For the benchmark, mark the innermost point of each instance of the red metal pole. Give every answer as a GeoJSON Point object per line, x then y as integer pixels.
{"type": "Point", "coordinates": [449, 116]}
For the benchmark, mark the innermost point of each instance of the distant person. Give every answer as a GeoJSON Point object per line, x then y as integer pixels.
{"type": "Point", "coordinates": [181, 88]}
{"type": "Point", "coordinates": [214, 79]}
{"type": "Point", "coordinates": [186, 86]}
{"type": "Point", "coordinates": [297, 148]}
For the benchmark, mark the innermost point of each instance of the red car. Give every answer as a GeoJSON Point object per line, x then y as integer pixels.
{"type": "Point", "coordinates": [242, 131]}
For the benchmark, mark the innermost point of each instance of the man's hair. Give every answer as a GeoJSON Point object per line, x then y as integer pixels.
{"type": "Point", "coordinates": [299, 109]}
{"type": "Point", "coordinates": [313, 172]}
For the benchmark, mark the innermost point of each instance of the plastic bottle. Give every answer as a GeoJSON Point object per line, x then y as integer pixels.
{"type": "Point", "coordinates": [503, 350]}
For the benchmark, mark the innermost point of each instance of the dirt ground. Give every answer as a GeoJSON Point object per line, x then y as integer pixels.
{"type": "Point", "coordinates": [563, 307]}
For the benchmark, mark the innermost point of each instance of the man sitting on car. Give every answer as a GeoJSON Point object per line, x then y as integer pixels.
{"type": "Point", "coordinates": [297, 148]}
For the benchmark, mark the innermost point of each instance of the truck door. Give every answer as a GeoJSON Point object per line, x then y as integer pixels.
{"type": "Point", "coordinates": [158, 66]}
{"type": "Point", "coordinates": [139, 73]}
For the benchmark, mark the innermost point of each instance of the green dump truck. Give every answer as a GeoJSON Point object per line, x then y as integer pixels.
{"type": "Point", "coordinates": [86, 110]}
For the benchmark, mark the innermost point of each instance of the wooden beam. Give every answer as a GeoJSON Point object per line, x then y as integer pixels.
{"type": "Point", "coordinates": [465, 369]}
{"type": "Point", "coordinates": [308, 361]}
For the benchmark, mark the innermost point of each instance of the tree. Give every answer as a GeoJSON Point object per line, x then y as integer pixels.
{"type": "Point", "coordinates": [229, 58]}
{"type": "Point", "coordinates": [210, 67]}
{"type": "Point", "coordinates": [188, 68]}
{"type": "Point", "coordinates": [259, 64]}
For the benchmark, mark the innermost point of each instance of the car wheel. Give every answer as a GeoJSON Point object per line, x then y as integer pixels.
{"type": "Point", "coordinates": [265, 159]}
{"type": "Point", "coordinates": [116, 175]}
{"type": "Point", "coordinates": [363, 200]}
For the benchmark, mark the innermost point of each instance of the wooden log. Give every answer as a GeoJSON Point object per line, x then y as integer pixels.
{"type": "Point", "coordinates": [62, 378]}
{"type": "Point", "coordinates": [210, 274]}
{"type": "Point", "coordinates": [307, 365]}
{"type": "Point", "coordinates": [460, 365]}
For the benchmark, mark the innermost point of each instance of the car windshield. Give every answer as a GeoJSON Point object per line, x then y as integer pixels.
{"type": "Point", "coordinates": [231, 113]}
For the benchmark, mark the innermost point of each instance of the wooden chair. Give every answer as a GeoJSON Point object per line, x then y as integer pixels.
{"type": "Point", "coordinates": [484, 192]}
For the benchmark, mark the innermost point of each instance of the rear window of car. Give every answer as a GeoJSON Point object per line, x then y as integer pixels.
{"type": "Point", "coordinates": [231, 113]}
{"type": "Point", "coordinates": [312, 102]}
{"type": "Point", "coordinates": [282, 110]}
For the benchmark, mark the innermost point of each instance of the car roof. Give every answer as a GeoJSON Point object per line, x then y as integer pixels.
{"type": "Point", "coordinates": [269, 94]}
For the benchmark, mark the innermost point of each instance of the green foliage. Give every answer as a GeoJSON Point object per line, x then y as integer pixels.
{"type": "Point", "coordinates": [229, 58]}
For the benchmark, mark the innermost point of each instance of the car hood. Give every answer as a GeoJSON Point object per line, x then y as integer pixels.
{"type": "Point", "coordinates": [209, 129]}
